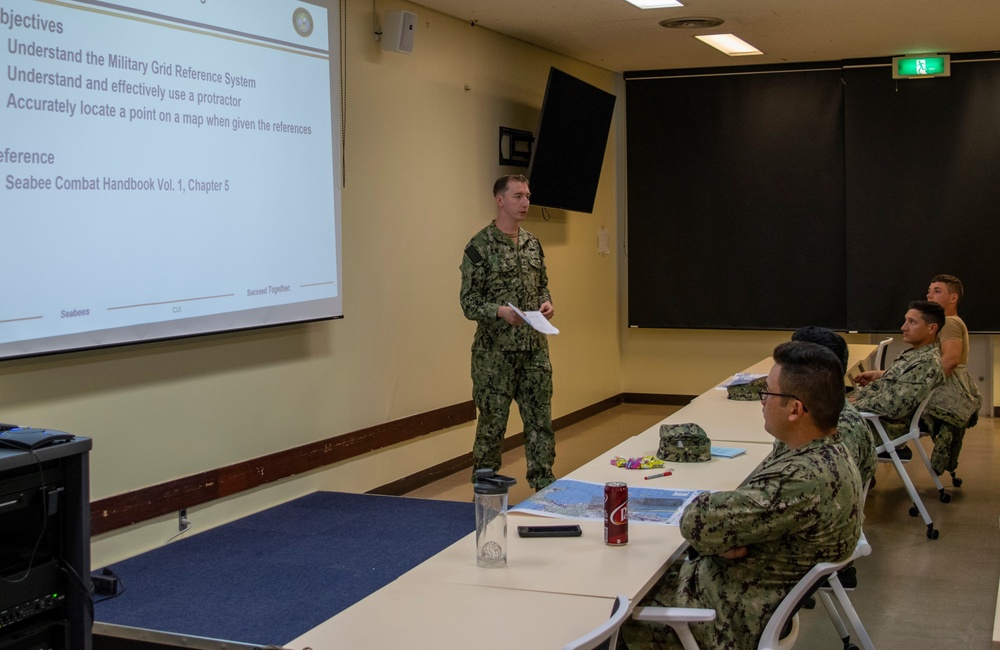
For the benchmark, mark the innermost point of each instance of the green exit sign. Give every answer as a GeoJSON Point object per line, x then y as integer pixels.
{"type": "Point", "coordinates": [925, 65]}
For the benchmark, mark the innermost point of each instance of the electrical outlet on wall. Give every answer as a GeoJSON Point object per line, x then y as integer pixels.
{"type": "Point", "coordinates": [183, 523]}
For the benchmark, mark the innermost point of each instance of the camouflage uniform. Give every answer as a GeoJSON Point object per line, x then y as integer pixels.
{"type": "Point", "coordinates": [896, 395]}
{"type": "Point", "coordinates": [801, 507]}
{"type": "Point", "coordinates": [953, 405]}
{"type": "Point", "coordinates": [855, 435]}
{"type": "Point", "coordinates": [509, 363]}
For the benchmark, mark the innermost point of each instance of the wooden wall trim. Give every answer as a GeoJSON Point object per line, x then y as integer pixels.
{"type": "Point", "coordinates": [586, 412]}
{"type": "Point", "coordinates": [426, 477]}
{"type": "Point", "coordinates": [154, 501]}
{"type": "Point", "coordinates": [412, 482]}
{"type": "Point", "coordinates": [147, 503]}
{"type": "Point", "coordinates": [657, 398]}
{"type": "Point", "coordinates": [447, 468]}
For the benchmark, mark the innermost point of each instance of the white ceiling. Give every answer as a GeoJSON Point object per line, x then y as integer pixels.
{"type": "Point", "coordinates": [617, 36]}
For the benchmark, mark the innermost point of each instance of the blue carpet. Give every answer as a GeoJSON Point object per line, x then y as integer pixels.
{"type": "Point", "coordinates": [270, 577]}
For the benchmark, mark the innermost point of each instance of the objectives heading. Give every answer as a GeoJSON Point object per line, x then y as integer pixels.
{"type": "Point", "coordinates": [10, 20]}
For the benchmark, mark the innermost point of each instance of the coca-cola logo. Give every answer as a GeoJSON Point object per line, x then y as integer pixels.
{"type": "Point", "coordinates": [619, 515]}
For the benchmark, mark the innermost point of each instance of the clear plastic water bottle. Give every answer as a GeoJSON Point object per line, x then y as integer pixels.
{"type": "Point", "coordinates": [491, 518]}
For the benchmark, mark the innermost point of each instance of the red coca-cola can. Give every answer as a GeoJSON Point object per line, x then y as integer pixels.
{"type": "Point", "coordinates": [616, 513]}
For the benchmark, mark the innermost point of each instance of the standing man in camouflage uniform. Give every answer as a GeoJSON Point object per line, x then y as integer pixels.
{"type": "Point", "coordinates": [504, 264]}
{"type": "Point", "coordinates": [800, 507]}
{"type": "Point", "coordinates": [895, 393]}
{"type": "Point", "coordinates": [957, 402]}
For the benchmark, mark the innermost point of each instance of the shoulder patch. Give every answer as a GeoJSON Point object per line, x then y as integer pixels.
{"type": "Point", "coordinates": [473, 254]}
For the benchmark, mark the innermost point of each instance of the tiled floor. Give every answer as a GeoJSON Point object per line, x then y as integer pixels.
{"type": "Point", "coordinates": [913, 593]}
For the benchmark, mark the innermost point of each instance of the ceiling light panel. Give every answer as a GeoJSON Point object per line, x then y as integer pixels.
{"type": "Point", "coordinates": [729, 44]}
{"type": "Point", "coordinates": [654, 4]}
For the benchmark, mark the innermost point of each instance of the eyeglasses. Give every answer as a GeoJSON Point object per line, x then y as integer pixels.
{"type": "Point", "coordinates": [765, 394]}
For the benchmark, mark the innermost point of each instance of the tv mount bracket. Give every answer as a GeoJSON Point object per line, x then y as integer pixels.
{"type": "Point", "coordinates": [515, 147]}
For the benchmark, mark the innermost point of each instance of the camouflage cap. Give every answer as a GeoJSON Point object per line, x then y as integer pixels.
{"type": "Point", "coordinates": [684, 443]}
{"type": "Point", "coordinates": [747, 392]}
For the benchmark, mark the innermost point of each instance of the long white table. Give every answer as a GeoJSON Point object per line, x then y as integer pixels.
{"type": "Point", "coordinates": [856, 354]}
{"type": "Point", "coordinates": [729, 421]}
{"type": "Point", "coordinates": [585, 565]}
{"type": "Point", "coordinates": [426, 615]}
{"type": "Point", "coordinates": [553, 589]}
{"type": "Point", "coordinates": [726, 421]}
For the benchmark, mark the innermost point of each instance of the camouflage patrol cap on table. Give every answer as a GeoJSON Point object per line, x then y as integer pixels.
{"type": "Point", "coordinates": [748, 391]}
{"type": "Point", "coordinates": [684, 443]}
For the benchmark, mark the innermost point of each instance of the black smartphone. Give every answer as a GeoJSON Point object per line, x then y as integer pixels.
{"type": "Point", "coordinates": [549, 531]}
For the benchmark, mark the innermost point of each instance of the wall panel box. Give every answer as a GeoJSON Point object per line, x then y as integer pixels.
{"type": "Point", "coordinates": [397, 32]}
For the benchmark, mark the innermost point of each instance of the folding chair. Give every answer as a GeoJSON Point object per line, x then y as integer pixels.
{"type": "Point", "coordinates": [679, 618]}
{"type": "Point", "coordinates": [889, 446]}
{"type": "Point", "coordinates": [839, 591]}
{"type": "Point", "coordinates": [879, 361]}
{"type": "Point", "coordinates": [605, 636]}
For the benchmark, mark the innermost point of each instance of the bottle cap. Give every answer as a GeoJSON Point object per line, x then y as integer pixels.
{"type": "Point", "coordinates": [489, 482]}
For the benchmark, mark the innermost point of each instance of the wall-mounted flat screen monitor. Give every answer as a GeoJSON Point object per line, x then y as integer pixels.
{"type": "Point", "coordinates": [571, 140]}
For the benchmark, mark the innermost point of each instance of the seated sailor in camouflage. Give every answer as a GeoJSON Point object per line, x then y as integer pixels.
{"type": "Point", "coordinates": [799, 508]}
{"type": "Point", "coordinates": [955, 405]}
{"type": "Point", "coordinates": [747, 391]}
{"type": "Point", "coordinates": [510, 361]}
{"type": "Point", "coordinates": [852, 428]}
{"type": "Point", "coordinates": [895, 393]}
{"type": "Point", "coordinates": [684, 443]}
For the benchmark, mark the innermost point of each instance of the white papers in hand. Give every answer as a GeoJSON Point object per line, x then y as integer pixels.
{"type": "Point", "coordinates": [536, 320]}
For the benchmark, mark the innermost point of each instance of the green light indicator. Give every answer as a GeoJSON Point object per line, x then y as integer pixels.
{"type": "Point", "coordinates": [922, 66]}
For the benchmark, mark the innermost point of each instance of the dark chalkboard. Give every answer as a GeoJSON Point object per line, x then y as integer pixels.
{"type": "Point", "coordinates": [824, 196]}
{"type": "Point", "coordinates": [923, 179]}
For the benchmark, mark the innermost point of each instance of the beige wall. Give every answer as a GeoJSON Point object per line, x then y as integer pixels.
{"type": "Point", "coordinates": [689, 362]}
{"type": "Point", "coordinates": [421, 159]}
{"type": "Point", "coordinates": [996, 370]}
{"type": "Point", "coordinates": [421, 156]}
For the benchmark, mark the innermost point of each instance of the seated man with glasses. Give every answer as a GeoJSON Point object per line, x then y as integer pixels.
{"type": "Point", "coordinates": [853, 430]}
{"type": "Point", "coordinates": [895, 393]}
{"type": "Point", "coordinates": [802, 506]}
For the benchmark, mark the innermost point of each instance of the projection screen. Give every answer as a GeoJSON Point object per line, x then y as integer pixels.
{"type": "Point", "coordinates": [168, 169]}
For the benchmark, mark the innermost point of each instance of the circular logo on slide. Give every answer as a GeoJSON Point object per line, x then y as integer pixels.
{"type": "Point", "coordinates": [303, 22]}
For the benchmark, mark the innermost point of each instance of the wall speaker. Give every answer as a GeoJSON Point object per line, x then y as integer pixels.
{"type": "Point", "coordinates": [397, 32]}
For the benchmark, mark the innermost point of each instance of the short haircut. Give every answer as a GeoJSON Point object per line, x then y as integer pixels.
{"type": "Point", "coordinates": [827, 338]}
{"type": "Point", "coordinates": [815, 376]}
{"type": "Point", "coordinates": [500, 186]}
{"type": "Point", "coordinates": [932, 313]}
{"type": "Point", "coordinates": [954, 284]}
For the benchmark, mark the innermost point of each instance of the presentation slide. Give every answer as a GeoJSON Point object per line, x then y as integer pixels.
{"type": "Point", "coordinates": [166, 169]}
